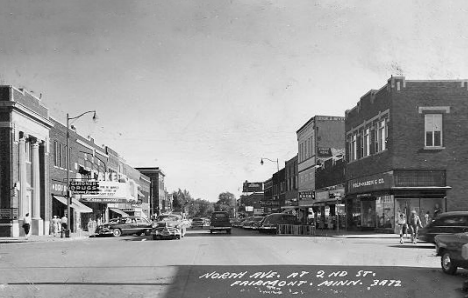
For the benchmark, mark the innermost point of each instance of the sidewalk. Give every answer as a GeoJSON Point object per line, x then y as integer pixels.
{"type": "Point", "coordinates": [355, 234]}
{"type": "Point", "coordinates": [47, 238]}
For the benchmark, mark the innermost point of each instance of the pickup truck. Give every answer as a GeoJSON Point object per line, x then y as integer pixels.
{"type": "Point", "coordinates": [220, 222]}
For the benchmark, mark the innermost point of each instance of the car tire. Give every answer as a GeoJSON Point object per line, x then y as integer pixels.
{"type": "Point", "coordinates": [447, 263]}
{"type": "Point", "coordinates": [155, 237]}
{"type": "Point", "coordinates": [147, 232]}
{"type": "Point", "coordinates": [117, 232]}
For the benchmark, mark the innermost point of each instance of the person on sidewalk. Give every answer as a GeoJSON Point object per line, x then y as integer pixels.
{"type": "Point", "coordinates": [55, 225]}
{"type": "Point", "coordinates": [402, 225]}
{"type": "Point", "coordinates": [27, 225]}
{"type": "Point", "coordinates": [415, 224]}
{"type": "Point", "coordinates": [64, 222]}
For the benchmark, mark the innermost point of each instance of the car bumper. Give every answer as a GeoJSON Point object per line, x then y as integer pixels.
{"type": "Point", "coordinates": [166, 232]}
{"type": "Point", "coordinates": [219, 228]}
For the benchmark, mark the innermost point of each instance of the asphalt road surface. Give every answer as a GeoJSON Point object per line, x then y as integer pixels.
{"type": "Point", "coordinates": [243, 264]}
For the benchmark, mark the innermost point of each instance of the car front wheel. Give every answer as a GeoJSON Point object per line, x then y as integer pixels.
{"type": "Point", "coordinates": [447, 263]}
{"type": "Point", "coordinates": [117, 233]}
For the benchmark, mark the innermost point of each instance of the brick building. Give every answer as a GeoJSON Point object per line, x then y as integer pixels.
{"type": "Point", "coordinates": [407, 150]}
{"type": "Point", "coordinates": [320, 138]}
{"type": "Point", "coordinates": [33, 170]}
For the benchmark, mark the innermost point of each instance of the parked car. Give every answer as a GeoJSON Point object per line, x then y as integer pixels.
{"type": "Point", "coordinates": [198, 222]}
{"type": "Point", "coordinates": [453, 251]}
{"type": "Point", "coordinates": [271, 222]}
{"type": "Point", "coordinates": [236, 222]}
{"type": "Point", "coordinates": [220, 222]}
{"type": "Point", "coordinates": [125, 226]}
{"type": "Point", "coordinates": [253, 222]}
{"type": "Point", "coordinates": [169, 226]}
{"type": "Point", "coordinates": [445, 223]}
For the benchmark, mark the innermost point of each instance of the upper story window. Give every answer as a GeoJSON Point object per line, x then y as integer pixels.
{"type": "Point", "coordinates": [382, 135]}
{"type": "Point", "coordinates": [367, 142]}
{"type": "Point", "coordinates": [56, 160]}
{"type": "Point", "coordinates": [433, 130]}
{"type": "Point", "coordinates": [369, 138]}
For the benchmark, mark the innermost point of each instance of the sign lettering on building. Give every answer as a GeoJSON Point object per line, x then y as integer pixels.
{"type": "Point", "coordinates": [252, 186]}
{"type": "Point", "coordinates": [371, 183]}
{"type": "Point", "coordinates": [84, 187]}
{"type": "Point", "coordinates": [306, 195]}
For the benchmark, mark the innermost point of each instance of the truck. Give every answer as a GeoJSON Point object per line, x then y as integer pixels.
{"type": "Point", "coordinates": [220, 222]}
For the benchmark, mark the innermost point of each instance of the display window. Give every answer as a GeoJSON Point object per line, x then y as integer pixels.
{"type": "Point", "coordinates": [369, 215]}
{"type": "Point", "coordinates": [385, 212]}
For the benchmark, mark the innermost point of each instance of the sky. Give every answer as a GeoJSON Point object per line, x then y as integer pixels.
{"type": "Point", "coordinates": [204, 89]}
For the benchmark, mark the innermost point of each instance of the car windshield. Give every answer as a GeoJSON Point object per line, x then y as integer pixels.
{"type": "Point", "coordinates": [168, 218]}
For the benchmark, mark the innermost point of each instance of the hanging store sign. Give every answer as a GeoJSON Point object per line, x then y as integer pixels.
{"type": "Point", "coordinates": [252, 186]}
{"type": "Point", "coordinates": [84, 187]}
{"type": "Point", "coordinates": [306, 195]}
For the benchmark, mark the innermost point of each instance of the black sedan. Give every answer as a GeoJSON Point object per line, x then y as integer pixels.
{"type": "Point", "coordinates": [125, 226]}
{"type": "Point", "coordinates": [453, 251]}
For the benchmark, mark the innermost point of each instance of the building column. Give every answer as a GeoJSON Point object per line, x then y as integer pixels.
{"type": "Point", "coordinates": [23, 208]}
{"type": "Point", "coordinates": [37, 224]}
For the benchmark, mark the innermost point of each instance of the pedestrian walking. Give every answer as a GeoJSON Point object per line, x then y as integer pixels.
{"type": "Point", "coordinates": [403, 226]}
{"type": "Point", "coordinates": [55, 225]}
{"type": "Point", "coordinates": [27, 225]}
{"type": "Point", "coordinates": [415, 223]}
{"type": "Point", "coordinates": [437, 210]}
{"type": "Point", "coordinates": [427, 218]}
{"type": "Point", "coordinates": [64, 223]}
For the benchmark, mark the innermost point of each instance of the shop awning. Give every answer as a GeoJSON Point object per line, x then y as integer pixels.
{"type": "Point", "coordinates": [61, 199]}
{"type": "Point", "coordinates": [290, 207]}
{"type": "Point", "coordinates": [116, 210]}
{"type": "Point", "coordinates": [80, 207]}
{"type": "Point", "coordinates": [75, 204]}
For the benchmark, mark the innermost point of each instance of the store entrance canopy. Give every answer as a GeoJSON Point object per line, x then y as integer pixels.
{"type": "Point", "coordinates": [116, 210]}
{"type": "Point", "coordinates": [80, 207]}
{"type": "Point", "coordinates": [61, 199]}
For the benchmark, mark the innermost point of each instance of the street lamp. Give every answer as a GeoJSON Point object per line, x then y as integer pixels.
{"type": "Point", "coordinates": [277, 164]}
{"type": "Point", "coordinates": [67, 232]}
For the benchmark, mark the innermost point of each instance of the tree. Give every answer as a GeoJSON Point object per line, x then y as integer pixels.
{"type": "Point", "coordinates": [226, 202]}
{"type": "Point", "coordinates": [181, 199]}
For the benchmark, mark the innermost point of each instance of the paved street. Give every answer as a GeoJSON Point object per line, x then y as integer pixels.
{"type": "Point", "coordinates": [244, 264]}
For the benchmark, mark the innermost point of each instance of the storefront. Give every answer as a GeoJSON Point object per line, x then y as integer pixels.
{"type": "Point", "coordinates": [329, 210]}
{"type": "Point", "coordinates": [373, 202]}
{"type": "Point", "coordinates": [79, 212]}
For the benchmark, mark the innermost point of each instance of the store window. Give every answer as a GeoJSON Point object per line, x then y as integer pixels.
{"type": "Point", "coordinates": [369, 216]}
{"type": "Point", "coordinates": [385, 212]}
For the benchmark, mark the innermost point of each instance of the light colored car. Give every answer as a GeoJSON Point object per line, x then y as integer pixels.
{"type": "Point", "coordinates": [198, 222]}
{"type": "Point", "coordinates": [171, 226]}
